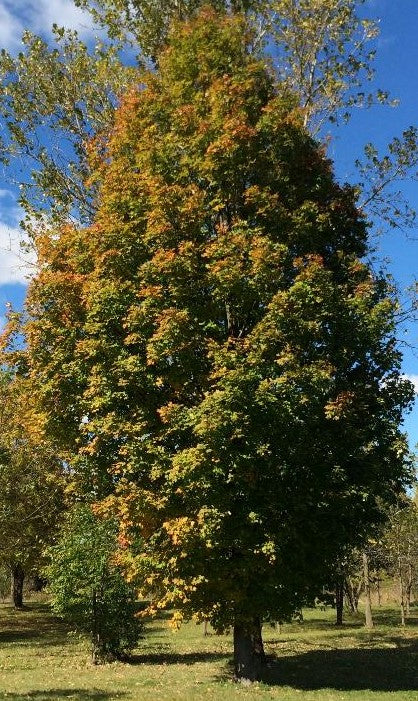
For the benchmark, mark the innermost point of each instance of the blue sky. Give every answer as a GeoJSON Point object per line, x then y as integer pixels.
{"type": "Point", "coordinates": [397, 71]}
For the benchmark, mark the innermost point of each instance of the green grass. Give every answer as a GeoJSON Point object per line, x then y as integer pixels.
{"type": "Point", "coordinates": [312, 661]}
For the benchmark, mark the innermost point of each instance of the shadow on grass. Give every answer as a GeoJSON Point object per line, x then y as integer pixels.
{"type": "Point", "coordinates": [188, 658]}
{"type": "Point", "coordinates": [58, 694]}
{"type": "Point", "coordinates": [381, 617]}
{"type": "Point", "coordinates": [23, 636]}
{"type": "Point", "coordinates": [45, 636]}
{"type": "Point", "coordinates": [393, 618]}
{"type": "Point", "coordinates": [339, 636]}
{"type": "Point", "coordinates": [34, 623]}
{"type": "Point", "coordinates": [387, 669]}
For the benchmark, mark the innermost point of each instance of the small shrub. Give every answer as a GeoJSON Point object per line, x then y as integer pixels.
{"type": "Point", "coordinates": [88, 589]}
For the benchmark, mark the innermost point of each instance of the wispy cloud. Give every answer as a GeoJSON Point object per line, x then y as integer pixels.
{"type": "Point", "coordinates": [10, 27]}
{"type": "Point", "coordinates": [39, 16]}
{"type": "Point", "coordinates": [16, 263]}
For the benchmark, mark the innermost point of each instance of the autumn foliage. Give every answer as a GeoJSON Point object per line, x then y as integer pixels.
{"type": "Point", "coordinates": [214, 354]}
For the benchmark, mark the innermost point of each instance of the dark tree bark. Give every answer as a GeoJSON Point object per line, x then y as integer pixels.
{"type": "Point", "coordinates": [258, 641]}
{"type": "Point", "coordinates": [339, 601]}
{"type": "Point", "coordinates": [18, 577]}
{"type": "Point", "coordinates": [249, 655]}
{"type": "Point", "coordinates": [379, 597]}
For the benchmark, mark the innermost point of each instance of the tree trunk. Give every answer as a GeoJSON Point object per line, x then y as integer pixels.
{"type": "Point", "coordinates": [408, 591]}
{"type": "Point", "coordinates": [400, 573]}
{"type": "Point", "coordinates": [353, 593]}
{"type": "Point", "coordinates": [18, 577]}
{"type": "Point", "coordinates": [403, 613]}
{"type": "Point", "coordinates": [249, 656]}
{"type": "Point", "coordinates": [379, 597]}
{"type": "Point", "coordinates": [339, 601]}
{"type": "Point", "coordinates": [348, 588]}
{"type": "Point", "coordinates": [401, 592]}
{"type": "Point", "coordinates": [368, 604]}
{"type": "Point", "coordinates": [258, 641]}
{"type": "Point", "coordinates": [96, 651]}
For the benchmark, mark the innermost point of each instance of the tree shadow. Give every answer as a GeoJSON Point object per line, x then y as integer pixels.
{"type": "Point", "coordinates": [393, 618]}
{"type": "Point", "coordinates": [34, 623]}
{"type": "Point", "coordinates": [375, 669]}
{"type": "Point", "coordinates": [366, 638]}
{"type": "Point", "coordinates": [49, 632]}
{"type": "Point", "coordinates": [173, 658]}
{"type": "Point", "coordinates": [22, 637]}
{"type": "Point", "coordinates": [58, 694]}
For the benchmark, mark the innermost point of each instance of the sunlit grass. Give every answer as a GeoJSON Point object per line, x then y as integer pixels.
{"type": "Point", "coordinates": [41, 659]}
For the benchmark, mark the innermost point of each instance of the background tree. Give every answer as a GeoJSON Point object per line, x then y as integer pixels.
{"type": "Point", "coordinates": [399, 547]}
{"type": "Point", "coordinates": [31, 486]}
{"type": "Point", "coordinates": [53, 101]}
{"type": "Point", "coordinates": [87, 589]}
{"type": "Point", "coordinates": [367, 590]}
{"type": "Point", "coordinates": [353, 579]}
{"type": "Point", "coordinates": [146, 24]}
{"type": "Point", "coordinates": [215, 349]}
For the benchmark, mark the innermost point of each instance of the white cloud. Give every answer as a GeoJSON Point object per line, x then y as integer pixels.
{"type": "Point", "coordinates": [414, 379]}
{"type": "Point", "coordinates": [16, 264]}
{"type": "Point", "coordinates": [44, 13]}
{"type": "Point", "coordinates": [10, 28]}
{"type": "Point", "coordinates": [38, 16]}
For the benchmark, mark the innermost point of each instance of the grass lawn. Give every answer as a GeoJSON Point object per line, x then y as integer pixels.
{"type": "Point", "coordinates": [312, 661]}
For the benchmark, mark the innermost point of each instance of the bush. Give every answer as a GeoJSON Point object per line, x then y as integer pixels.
{"type": "Point", "coordinates": [88, 589]}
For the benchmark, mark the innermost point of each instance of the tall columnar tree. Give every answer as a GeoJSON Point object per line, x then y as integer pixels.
{"type": "Point", "coordinates": [214, 351]}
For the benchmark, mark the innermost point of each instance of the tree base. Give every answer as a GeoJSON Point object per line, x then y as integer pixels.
{"type": "Point", "coordinates": [18, 578]}
{"type": "Point", "coordinates": [249, 655]}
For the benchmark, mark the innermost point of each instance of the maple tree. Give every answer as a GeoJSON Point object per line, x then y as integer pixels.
{"type": "Point", "coordinates": [214, 352]}
{"type": "Point", "coordinates": [147, 24]}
